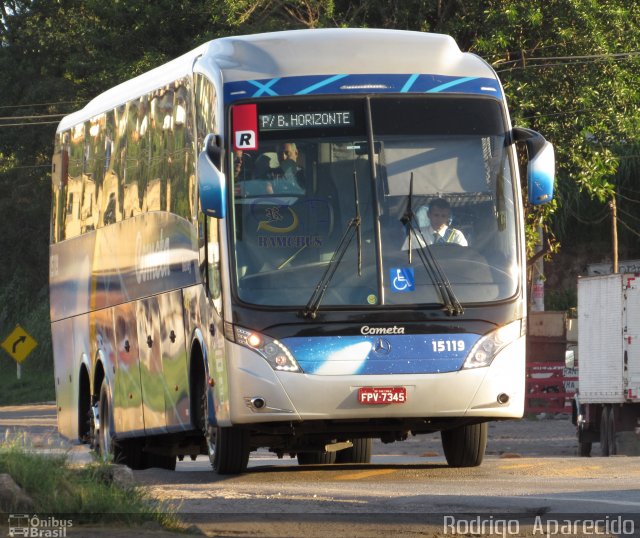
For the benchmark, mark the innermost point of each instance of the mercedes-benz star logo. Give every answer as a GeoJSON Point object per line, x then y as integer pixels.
{"type": "Point", "coordinates": [382, 346]}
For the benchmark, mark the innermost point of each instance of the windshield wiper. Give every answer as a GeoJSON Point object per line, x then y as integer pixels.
{"type": "Point", "coordinates": [451, 304]}
{"type": "Point", "coordinates": [354, 226]}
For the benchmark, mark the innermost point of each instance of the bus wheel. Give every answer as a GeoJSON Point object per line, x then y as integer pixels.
{"type": "Point", "coordinates": [464, 446]}
{"type": "Point", "coordinates": [228, 449]}
{"type": "Point", "coordinates": [360, 452]}
{"type": "Point", "coordinates": [604, 431]}
{"type": "Point", "coordinates": [316, 458]}
{"type": "Point", "coordinates": [105, 442]}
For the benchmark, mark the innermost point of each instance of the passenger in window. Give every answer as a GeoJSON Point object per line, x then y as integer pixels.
{"type": "Point", "coordinates": [241, 165]}
{"type": "Point", "coordinates": [289, 163]}
{"type": "Point", "coordinates": [285, 178]}
{"type": "Point", "coordinates": [438, 230]}
{"type": "Point", "coordinates": [242, 170]}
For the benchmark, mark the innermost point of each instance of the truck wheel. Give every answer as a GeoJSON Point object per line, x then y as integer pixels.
{"type": "Point", "coordinates": [611, 431]}
{"type": "Point", "coordinates": [360, 452]}
{"type": "Point", "coordinates": [604, 431]}
{"type": "Point", "coordinates": [465, 446]}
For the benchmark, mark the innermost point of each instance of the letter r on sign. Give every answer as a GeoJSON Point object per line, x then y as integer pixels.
{"type": "Point", "coordinates": [246, 140]}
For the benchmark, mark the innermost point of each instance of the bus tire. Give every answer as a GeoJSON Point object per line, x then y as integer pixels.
{"type": "Point", "coordinates": [106, 447]}
{"type": "Point", "coordinates": [360, 452]}
{"type": "Point", "coordinates": [465, 446]}
{"type": "Point", "coordinates": [229, 451]}
{"type": "Point", "coordinates": [319, 457]}
{"type": "Point", "coordinates": [109, 449]}
{"type": "Point", "coordinates": [604, 431]}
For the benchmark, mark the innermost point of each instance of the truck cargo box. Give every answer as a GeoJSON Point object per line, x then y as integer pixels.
{"type": "Point", "coordinates": [609, 338]}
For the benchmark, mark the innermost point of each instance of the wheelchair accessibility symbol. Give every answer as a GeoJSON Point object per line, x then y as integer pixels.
{"type": "Point", "coordinates": [402, 279]}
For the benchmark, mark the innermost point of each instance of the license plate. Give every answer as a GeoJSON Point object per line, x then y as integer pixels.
{"type": "Point", "coordinates": [382, 395]}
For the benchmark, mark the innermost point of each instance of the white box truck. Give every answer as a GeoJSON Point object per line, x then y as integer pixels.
{"type": "Point", "coordinates": [608, 397]}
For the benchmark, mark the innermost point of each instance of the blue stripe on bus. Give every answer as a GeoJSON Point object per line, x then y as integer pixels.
{"type": "Point", "coordinates": [409, 83]}
{"type": "Point", "coordinates": [360, 83]}
{"type": "Point", "coordinates": [451, 84]}
{"type": "Point", "coordinates": [381, 355]}
{"type": "Point", "coordinates": [321, 84]}
{"type": "Point", "coordinates": [264, 87]}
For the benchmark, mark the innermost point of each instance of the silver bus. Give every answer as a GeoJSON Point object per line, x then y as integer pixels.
{"type": "Point", "coordinates": [298, 241]}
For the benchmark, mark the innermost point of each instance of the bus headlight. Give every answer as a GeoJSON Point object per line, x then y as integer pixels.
{"type": "Point", "coordinates": [491, 344]}
{"type": "Point", "coordinates": [273, 351]}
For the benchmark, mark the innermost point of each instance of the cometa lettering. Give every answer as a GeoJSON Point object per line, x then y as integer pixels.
{"type": "Point", "coordinates": [152, 259]}
{"type": "Point", "coordinates": [381, 330]}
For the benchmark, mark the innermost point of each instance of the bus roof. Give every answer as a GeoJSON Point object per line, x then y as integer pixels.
{"type": "Point", "coordinates": [302, 52]}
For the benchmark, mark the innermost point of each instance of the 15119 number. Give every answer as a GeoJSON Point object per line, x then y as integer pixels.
{"type": "Point", "coordinates": [440, 346]}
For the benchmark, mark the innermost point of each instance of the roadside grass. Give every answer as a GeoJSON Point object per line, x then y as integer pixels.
{"type": "Point", "coordinates": [35, 386]}
{"type": "Point", "coordinates": [88, 494]}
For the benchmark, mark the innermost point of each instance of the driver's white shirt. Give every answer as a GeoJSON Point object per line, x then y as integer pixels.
{"type": "Point", "coordinates": [448, 235]}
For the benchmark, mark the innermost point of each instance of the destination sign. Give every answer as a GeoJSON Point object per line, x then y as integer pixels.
{"type": "Point", "coordinates": [304, 120]}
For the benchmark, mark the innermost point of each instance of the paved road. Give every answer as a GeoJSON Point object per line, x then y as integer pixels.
{"type": "Point", "coordinates": [408, 489]}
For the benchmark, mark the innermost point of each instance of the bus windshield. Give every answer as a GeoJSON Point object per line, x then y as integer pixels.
{"type": "Point", "coordinates": [424, 174]}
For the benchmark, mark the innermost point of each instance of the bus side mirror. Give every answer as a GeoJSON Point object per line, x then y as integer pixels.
{"type": "Point", "coordinates": [211, 181]}
{"type": "Point", "coordinates": [541, 167]}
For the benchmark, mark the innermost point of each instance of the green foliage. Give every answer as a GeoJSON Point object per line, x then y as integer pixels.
{"type": "Point", "coordinates": [561, 300]}
{"type": "Point", "coordinates": [566, 71]}
{"type": "Point", "coordinates": [88, 493]}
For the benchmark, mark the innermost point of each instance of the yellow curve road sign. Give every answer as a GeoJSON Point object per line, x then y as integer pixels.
{"type": "Point", "coordinates": [19, 344]}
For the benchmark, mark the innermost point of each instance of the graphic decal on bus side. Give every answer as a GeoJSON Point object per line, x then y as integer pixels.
{"type": "Point", "coordinates": [377, 355]}
{"type": "Point", "coordinates": [360, 83]}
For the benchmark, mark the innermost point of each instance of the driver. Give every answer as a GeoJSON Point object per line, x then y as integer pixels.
{"type": "Point", "coordinates": [438, 231]}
